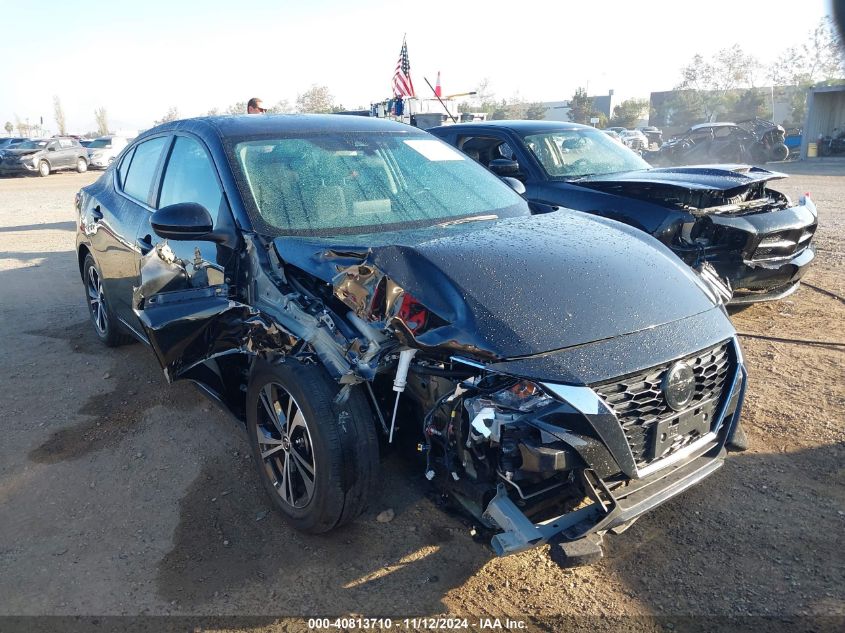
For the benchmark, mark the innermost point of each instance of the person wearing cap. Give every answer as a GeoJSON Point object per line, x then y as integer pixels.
{"type": "Point", "coordinates": [255, 106]}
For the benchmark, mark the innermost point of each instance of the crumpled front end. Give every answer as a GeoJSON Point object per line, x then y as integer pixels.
{"type": "Point", "coordinates": [726, 215]}
{"type": "Point", "coordinates": [763, 254]}
{"type": "Point", "coordinates": [540, 461]}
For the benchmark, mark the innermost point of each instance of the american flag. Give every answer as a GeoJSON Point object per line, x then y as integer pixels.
{"type": "Point", "coordinates": [402, 84]}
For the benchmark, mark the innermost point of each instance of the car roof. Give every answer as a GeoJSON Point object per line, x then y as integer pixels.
{"type": "Point", "coordinates": [523, 127]}
{"type": "Point", "coordinates": [717, 124]}
{"type": "Point", "coordinates": [269, 124]}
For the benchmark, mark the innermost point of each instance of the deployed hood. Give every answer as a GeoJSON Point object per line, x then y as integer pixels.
{"type": "Point", "coordinates": [704, 190]}
{"type": "Point", "coordinates": [702, 177]}
{"type": "Point", "coordinates": [513, 287]}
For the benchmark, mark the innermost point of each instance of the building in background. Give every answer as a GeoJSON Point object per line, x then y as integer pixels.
{"type": "Point", "coordinates": [825, 114]}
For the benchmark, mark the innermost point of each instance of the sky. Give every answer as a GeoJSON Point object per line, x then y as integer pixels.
{"type": "Point", "coordinates": [138, 59]}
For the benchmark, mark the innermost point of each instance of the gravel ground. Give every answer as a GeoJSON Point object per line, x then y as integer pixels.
{"type": "Point", "coordinates": [123, 495]}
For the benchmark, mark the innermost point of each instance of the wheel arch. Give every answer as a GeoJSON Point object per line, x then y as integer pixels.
{"type": "Point", "coordinates": [81, 253]}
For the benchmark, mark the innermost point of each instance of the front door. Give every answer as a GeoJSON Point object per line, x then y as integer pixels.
{"type": "Point", "coordinates": [183, 284]}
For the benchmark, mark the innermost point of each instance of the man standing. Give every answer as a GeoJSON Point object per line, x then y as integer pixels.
{"type": "Point", "coordinates": [255, 106]}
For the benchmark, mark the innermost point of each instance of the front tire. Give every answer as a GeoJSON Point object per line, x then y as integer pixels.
{"type": "Point", "coordinates": [317, 459]}
{"type": "Point", "coordinates": [43, 169]}
{"type": "Point", "coordinates": [81, 165]}
{"type": "Point", "coordinates": [105, 323]}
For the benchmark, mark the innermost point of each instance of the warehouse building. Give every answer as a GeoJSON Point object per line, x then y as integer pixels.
{"type": "Point", "coordinates": [825, 114]}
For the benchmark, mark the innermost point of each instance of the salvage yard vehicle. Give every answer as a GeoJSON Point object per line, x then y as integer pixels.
{"type": "Point", "coordinates": [329, 278]}
{"type": "Point", "coordinates": [103, 150]}
{"type": "Point", "coordinates": [752, 141]}
{"type": "Point", "coordinates": [756, 238]}
{"type": "Point", "coordinates": [44, 156]}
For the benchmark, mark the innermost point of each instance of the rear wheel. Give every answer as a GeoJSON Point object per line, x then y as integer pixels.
{"type": "Point", "coordinates": [81, 165]}
{"type": "Point", "coordinates": [317, 459]}
{"type": "Point", "coordinates": [43, 168]}
{"type": "Point", "coordinates": [104, 322]}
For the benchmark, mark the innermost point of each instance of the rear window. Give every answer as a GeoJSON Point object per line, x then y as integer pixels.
{"type": "Point", "coordinates": [365, 182]}
{"type": "Point", "coordinates": [139, 180]}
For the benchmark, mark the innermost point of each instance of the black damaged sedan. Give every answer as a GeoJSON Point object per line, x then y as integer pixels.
{"type": "Point", "coordinates": [339, 283]}
{"type": "Point", "coordinates": [756, 238]}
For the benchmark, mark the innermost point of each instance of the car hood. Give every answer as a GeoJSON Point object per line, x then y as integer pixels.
{"type": "Point", "coordinates": [702, 177]}
{"type": "Point", "coordinates": [14, 151]}
{"type": "Point", "coordinates": [515, 287]}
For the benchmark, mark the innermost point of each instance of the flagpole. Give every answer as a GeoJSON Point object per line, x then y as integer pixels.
{"type": "Point", "coordinates": [454, 120]}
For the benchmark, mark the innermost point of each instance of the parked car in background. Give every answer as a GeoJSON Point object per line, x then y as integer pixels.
{"type": "Point", "coordinates": [562, 374]}
{"type": "Point", "coordinates": [653, 134]}
{"type": "Point", "coordinates": [103, 150]}
{"type": "Point", "coordinates": [11, 141]}
{"type": "Point", "coordinates": [753, 141]}
{"type": "Point", "coordinates": [756, 238]}
{"type": "Point", "coordinates": [44, 156]}
{"type": "Point", "coordinates": [634, 139]}
{"type": "Point", "coordinates": [614, 135]}
{"type": "Point", "coordinates": [85, 142]}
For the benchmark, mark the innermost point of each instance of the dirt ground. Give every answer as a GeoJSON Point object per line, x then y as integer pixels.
{"type": "Point", "coordinates": [123, 495]}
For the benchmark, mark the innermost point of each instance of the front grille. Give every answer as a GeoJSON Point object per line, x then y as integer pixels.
{"type": "Point", "coordinates": [638, 402]}
{"type": "Point", "coordinates": [783, 244]}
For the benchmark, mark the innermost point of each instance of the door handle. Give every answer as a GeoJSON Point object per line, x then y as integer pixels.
{"type": "Point", "coordinates": [96, 213]}
{"type": "Point", "coordinates": [145, 244]}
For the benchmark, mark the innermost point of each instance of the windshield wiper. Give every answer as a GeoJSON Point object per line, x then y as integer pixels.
{"type": "Point", "coordinates": [475, 218]}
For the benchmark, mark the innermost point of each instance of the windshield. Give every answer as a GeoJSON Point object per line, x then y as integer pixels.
{"type": "Point", "coordinates": [100, 142]}
{"type": "Point", "coordinates": [365, 182]}
{"type": "Point", "coordinates": [31, 145]}
{"type": "Point", "coordinates": [581, 152]}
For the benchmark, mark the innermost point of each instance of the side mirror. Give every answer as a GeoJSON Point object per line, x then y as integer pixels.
{"type": "Point", "coordinates": [514, 184]}
{"type": "Point", "coordinates": [50, 148]}
{"type": "Point", "coordinates": [183, 221]}
{"type": "Point", "coordinates": [504, 167]}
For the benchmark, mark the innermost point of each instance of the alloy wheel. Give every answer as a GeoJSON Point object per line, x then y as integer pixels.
{"type": "Point", "coordinates": [285, 445]}
{"type": "Point", "coordinates": [97, 300]}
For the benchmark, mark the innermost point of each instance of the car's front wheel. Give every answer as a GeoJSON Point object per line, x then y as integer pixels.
{"type": "Point", "coordinates": [104, 321]}
{"type": "Point", "coordinates": [81, 165]}
{"type": "Point", "coordinates": [43, 168]}
{"type": "Point", "coordinates": [316, 458]}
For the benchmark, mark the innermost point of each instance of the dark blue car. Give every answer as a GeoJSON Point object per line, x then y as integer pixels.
{"type": "Point", "coordinates": [329, 279]}
{"type": "Point", "coordinates": [756, 238]}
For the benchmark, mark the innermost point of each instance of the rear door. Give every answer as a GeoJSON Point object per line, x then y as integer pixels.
{"type": "Point", "coordinates": [66, 154]}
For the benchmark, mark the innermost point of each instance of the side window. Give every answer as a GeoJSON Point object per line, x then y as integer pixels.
{"type": "Point", "coordinates": [65, 143]}
{"type": "Point", "coordinates": [53, 145]}
{"type": "Point", "coordinates": [142, 169]}
{"type": "Point", "coordinates": [124, 167]}
{"type": "Point", "coordinates": [483, 149]}
{"type": "Point", "coordinates": [190, 177]}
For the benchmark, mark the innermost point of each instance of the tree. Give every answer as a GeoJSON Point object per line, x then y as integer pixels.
{"type": "Point", "coordinates": [535, 110]}
{"type": "Point", "coordinates": [9, 127]}
{"type": "Point", "coordinates": [629, 112]}
{"type": "Point", "coordinates": [754, 102]}
{"type": "Point", "coordinates": [715, 80]}
{"type": "Point", "coordinates": [213, 112]}
{"type": "Point", "coordinates": [102, 119]}
{"type": "Point", "coordinates": [171, 115]}
{"type": "Point", "coordinates": [316, 99]}
{"type": "Point", "coordinates": [238, 107]}
{"type": "Point", "coordinates": [580, 107]}
{"type": "Point", "coordinates": [59, 114]}
{"type": "Point", "coordinates": [819, 59]}
{"type": "Point", "coordinates": [281, 107]}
